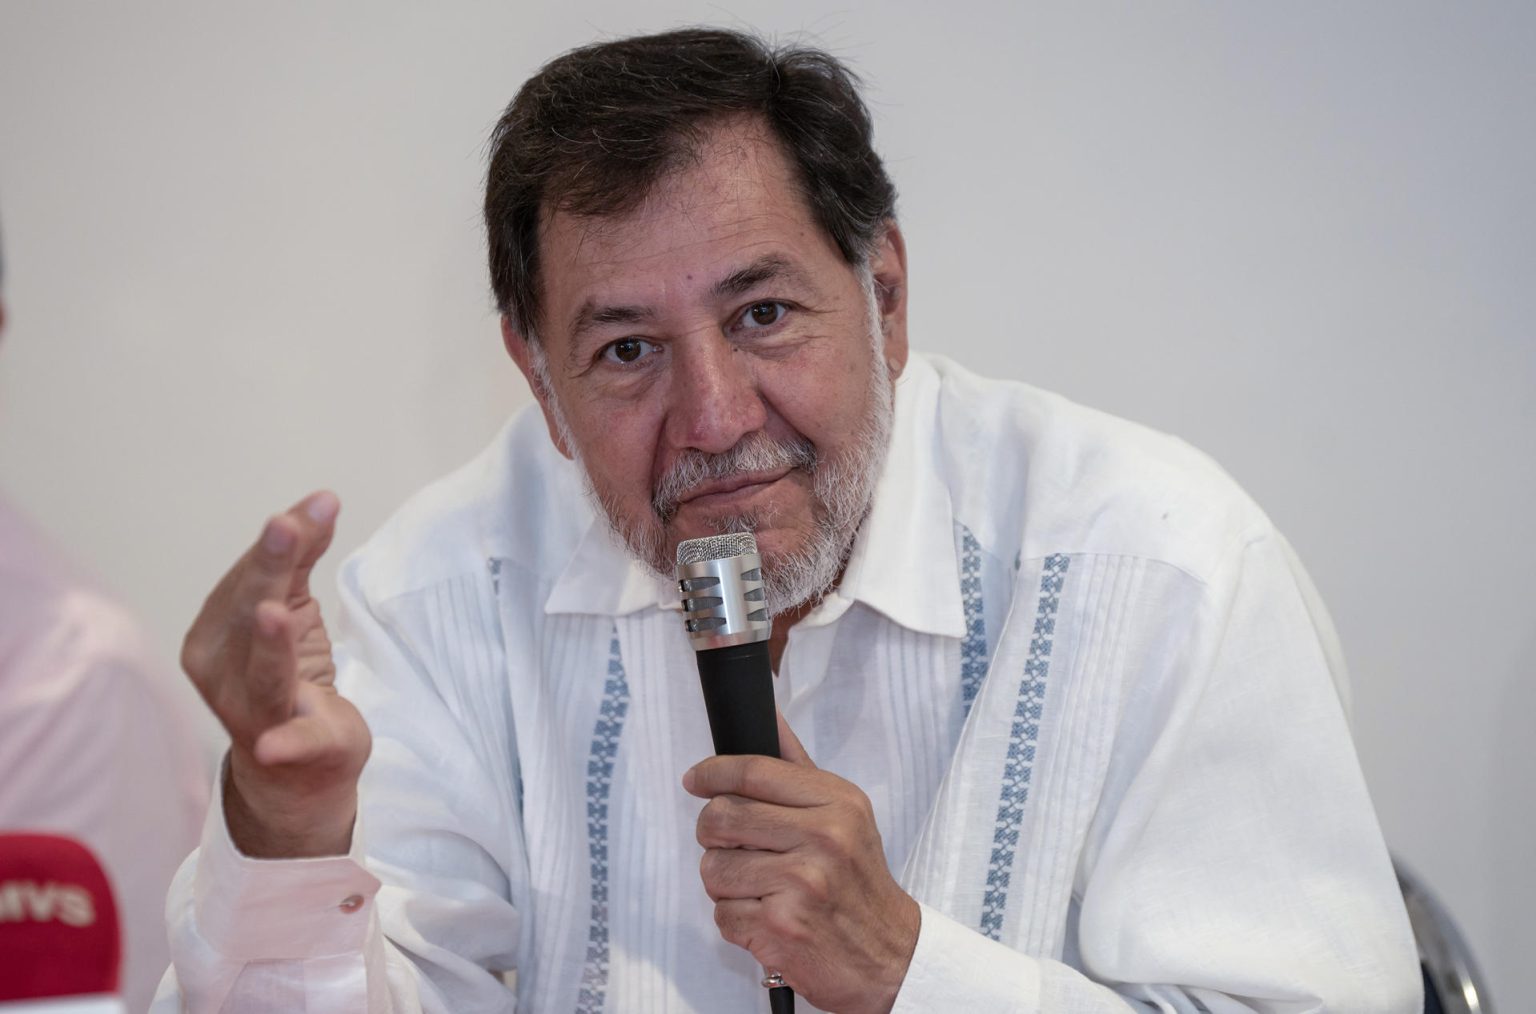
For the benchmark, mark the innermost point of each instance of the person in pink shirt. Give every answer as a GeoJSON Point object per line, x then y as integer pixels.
{"type": "Point", "coordinates": [98, 740]}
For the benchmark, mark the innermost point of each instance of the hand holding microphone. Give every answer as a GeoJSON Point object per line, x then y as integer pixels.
{"type": "Point", "coordinates": [793, 859]}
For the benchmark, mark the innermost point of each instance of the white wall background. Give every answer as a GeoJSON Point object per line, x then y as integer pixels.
{"type": "Point", "coordinates": [243, 260]}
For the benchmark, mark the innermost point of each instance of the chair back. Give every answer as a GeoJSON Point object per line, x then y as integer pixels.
{"type": "Point", "coordinates": [1452, 982]}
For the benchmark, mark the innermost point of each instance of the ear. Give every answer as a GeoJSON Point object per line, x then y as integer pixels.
{"type": "Point", "coordinates": [522, 354]}
{"type": "Point", "coordinates": [888, 267]}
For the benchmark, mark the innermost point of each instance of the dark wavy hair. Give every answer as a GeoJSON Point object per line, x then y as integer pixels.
{"type": "Point", "coordinates": [596, 128]}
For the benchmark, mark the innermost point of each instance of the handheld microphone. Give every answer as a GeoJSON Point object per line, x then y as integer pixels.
{"type": "Point", "coordinates": [60, 941]}
{"type": "Point", "coordinates": [726, 616]}
{"type": "Point", "coordinates": [725, 612]}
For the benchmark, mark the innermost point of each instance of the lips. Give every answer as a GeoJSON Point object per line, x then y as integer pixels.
{"type": "Point", "coordinates": [723, 488]}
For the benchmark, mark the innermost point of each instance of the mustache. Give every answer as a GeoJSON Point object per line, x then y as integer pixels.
{"type": "Point", "coordinates": [756, 452]}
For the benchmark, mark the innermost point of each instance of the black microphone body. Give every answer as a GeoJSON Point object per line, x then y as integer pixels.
{"type": "Point", "coordinates": [738, 695]}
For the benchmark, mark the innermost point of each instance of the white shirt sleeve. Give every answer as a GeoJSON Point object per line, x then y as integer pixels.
{"type": "Point", "coordinates": [283, 930]}
{"type": "Point", "coordinates": [1234, 862]}
{"type": "Point", "coordinates": [416, 917]}
{"type": "Point", "coordinates": [952, 961]}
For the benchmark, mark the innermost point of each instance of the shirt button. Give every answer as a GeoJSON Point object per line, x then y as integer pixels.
{"type": "Point", "coordinates": [351, 903]}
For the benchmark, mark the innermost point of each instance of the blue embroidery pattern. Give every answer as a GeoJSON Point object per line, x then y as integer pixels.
{"type": "Point", "coordinates": [973, 649]}
{"type": "Point", "coordinates": [605, 747]}
{"type": "Point", "coordinates": [1021, 748]}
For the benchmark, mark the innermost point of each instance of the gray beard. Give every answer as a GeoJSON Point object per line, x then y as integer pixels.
{"type": "Point", "coordinates": [842, 488]}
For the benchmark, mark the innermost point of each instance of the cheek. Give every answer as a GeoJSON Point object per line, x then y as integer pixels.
{"type": "Point", "coordinates": [619, 448]}
{"type": "Point", "coordinates": [822, 397]}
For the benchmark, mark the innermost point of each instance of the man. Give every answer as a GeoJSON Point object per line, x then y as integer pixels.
{"type": "Point", "coordinates": [1059, 722]}
{"type": "Point", "coordinates": [98, 740]}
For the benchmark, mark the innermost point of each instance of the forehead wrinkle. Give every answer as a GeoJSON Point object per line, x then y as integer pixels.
{"type": "Point", "coordinates": [590, 240]}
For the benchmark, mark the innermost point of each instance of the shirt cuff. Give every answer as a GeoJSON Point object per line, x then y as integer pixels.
{"type": "Point", "coordinates": [279, 909]}
{"type": "Point", "coordinates": [953, 966]}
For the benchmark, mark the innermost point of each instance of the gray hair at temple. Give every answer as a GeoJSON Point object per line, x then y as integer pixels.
{"type": "Point", "coordinates": [598, 127]}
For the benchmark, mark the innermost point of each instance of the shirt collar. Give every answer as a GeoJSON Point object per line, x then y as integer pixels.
{"type": "Point", "coordinates": [603, 579]}
{"type": "Point", "coordinates": [903, 561]}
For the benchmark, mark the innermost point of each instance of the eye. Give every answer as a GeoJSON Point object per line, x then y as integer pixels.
{"type": "Point", "coordinates": [627, 350]}
{"type": "Point", "coordinates": [764, 314]}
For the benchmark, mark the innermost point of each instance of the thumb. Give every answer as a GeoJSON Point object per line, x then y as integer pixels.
{"type": "Point", "coordinates": [317, 516]}
{"type": "Point", "coordinates": [789, 744]}
{"type": "Point", "coordinates": [308, 736]}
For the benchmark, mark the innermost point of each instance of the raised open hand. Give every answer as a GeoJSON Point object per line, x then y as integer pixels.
{"type": "Point", "coordinates": [259, 654]}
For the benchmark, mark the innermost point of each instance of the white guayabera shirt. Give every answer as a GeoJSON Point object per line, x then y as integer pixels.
{"type": "Point", "coordinates": [1087, 688]}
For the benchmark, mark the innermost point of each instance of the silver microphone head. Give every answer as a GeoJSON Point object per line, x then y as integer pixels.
{"type": "Point", "coordinates": [721, 581]}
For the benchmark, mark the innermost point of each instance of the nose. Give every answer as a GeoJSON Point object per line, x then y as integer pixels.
{"type": "Point", "coordinates": [715, 397]}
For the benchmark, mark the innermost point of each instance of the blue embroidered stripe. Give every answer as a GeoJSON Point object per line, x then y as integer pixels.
{"type": "Point", "coordinates": [605, 747]}
{"type": "Point", "coordinates": [973, 649]}
{"type": "Point", "coordinates": [1021, 748]}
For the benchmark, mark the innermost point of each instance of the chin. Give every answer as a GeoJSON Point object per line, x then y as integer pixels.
{"type": "Point", "coordinates": [774, 544]}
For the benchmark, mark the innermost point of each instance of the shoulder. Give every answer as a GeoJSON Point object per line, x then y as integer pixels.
{"type": "Point", "coordinates": [70, 654]}
{"type": "Point", "coordinates": [1038, 474]}
{"type": "Point", "coordinates": [50, 608]}
{"type": "Point", "coordinates": [75, 638]}
{"type": "Point", "coordinates": [518, 501]}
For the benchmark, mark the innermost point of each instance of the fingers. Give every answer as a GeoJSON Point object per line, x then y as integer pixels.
{"type": "Point", "coordinates": [744, 873]}
{"type": "Point", "coordinates": [271, 669]}
{"type": "Point", "coordinates": [729, 822]}
{"type": "Point", "coordinates": [276, 567]}
{"type": "Point", "coordinates": [320, 510]}
{"type": "Point", "coordinates": [740, 921]}
{"type": "Point", "coordinates": [259, 626]}
{"type": "Point", "coordinates": [279, 564]}
{"type": "Point", "coordinates": [766, 927]}
{"type": "Point", "coordinates": [764, 778]}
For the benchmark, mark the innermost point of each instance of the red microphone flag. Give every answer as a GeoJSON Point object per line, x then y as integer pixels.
{"type": "Point", "coordinates": [59, 931]}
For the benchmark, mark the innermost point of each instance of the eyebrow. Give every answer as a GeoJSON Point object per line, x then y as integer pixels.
{"type": "Point", "coordinates": [591, 316]}
{"type": "Point", "coordinates": [766, 268]}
